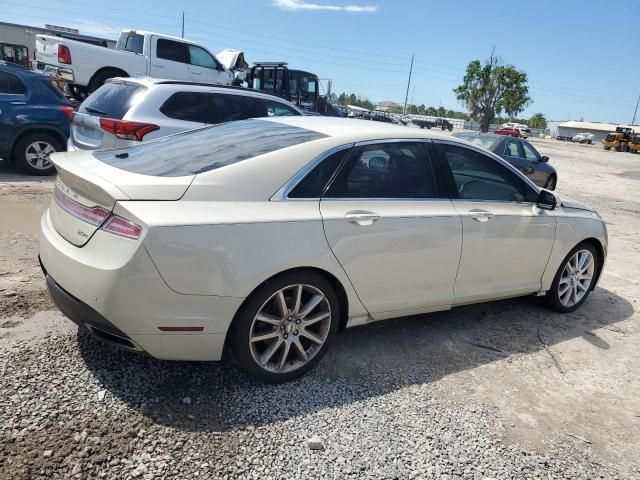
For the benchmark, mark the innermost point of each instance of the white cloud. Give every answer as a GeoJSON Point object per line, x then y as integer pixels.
{"type": "Point", "coordinates": [98, 29]}
{"type": "Point", "coordinates": [302, 5]}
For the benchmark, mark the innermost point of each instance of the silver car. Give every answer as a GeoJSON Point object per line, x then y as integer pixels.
{"type": "Point", "coordinates": [268, 237]}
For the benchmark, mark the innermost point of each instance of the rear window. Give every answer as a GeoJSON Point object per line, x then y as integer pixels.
{"type": "Point", "coordinates": [134, 42]}
{"type": "Point", "coordinates": [112, 100]}
{"type": "Point", "coordinates": [481, 140]}
{"type": "Point", "coordinates": [206, 149]}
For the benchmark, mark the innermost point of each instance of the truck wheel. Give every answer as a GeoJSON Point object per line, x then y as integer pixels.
{"type": "Point", "coordinates": [623, 147]}
{"type": "Point", "coordinates": [421, 126]}
{"type": "Point", "coordinates": [99, 78]}
{"type": "Point", "coordinates": [32, 151]}
{"type": "Point", "coordinates": [606, 147]}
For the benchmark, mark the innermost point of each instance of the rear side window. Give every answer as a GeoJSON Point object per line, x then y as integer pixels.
{"type": "Point", "coordinates": [112, 100]}
{"type": "Point", "coordinates": [187, 106]}
{"type": "Point", "coordinates": [313, 185]}
{"type": "Point", "coordinates": [228, 108]}
{"type": "Point", "coordinates": [11, 84]}
{"type": "Point", "coordinates": [170, 50]}
{"type": "Point", "coordinates": [206, 149]}
{"type": "Point", "coordinates": [134, 42]}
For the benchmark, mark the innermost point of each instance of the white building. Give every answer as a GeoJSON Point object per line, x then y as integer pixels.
{"type": "Point", "coordinates": [599, 130]}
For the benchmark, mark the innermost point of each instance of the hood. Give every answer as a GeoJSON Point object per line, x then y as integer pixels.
{"type": "Point", "coordinates": [570, 203]}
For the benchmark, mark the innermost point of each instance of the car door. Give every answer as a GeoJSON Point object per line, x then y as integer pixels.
{"type": "Point", "coordinates": [13, 109]}
{"type": "Point", "coordinates": [204, 68]}
{"type": "Point", "coordinates": [169, 59]}
{"type": "Point", "coordinates": [506, 238]}
{"type": "Point", "coordinates": [396, 237]}
{"type": "Point", "coordinates": [514, 154]}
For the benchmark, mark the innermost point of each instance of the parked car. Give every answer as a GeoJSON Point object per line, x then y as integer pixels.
{"type": "Point", "coordinates": [525, 131]}
{"type": "Point", "coordinates": [441, 123]}
{"type": "Point", "coordinates": [519, 153]}
{"type": "Point", "coordinates": [511, 131]}
{"type": "Point", "coordinates": [86, 67]}
{"type": "Point", "coordinates": [269, 236]}
{"type": "Point", "coordinates": [125, 111]}
{"type": "Point", "coordinates": [34, 119]}
{"type": "Point", "coordinates": [586, 137]}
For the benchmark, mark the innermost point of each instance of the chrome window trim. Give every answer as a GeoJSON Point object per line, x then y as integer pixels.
{"type": "Point", "coordinates": [283, 193]}
{"type": "Point", "coordinates": [364, 143]}
{"type": "Point", "coordinates": [495, 157]}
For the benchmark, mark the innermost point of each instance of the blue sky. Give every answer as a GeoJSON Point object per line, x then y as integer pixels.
{"type": "Point", "coordinates": [580, 55]}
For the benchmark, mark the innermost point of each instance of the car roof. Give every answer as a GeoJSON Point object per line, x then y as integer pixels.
{"type": "Point", "coordinates": [354, 130]}
{"type": "Point", "coordinates": [20, 70]}
{"type": "Point", "coordinates": [196, 86]}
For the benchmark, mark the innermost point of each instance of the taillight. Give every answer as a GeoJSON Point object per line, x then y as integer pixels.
{"type": "Point", "coordinates": [64, 55]}
{"type": "Point", "coordinates": [123, 227]}
{"type": "Point", "coordinates": [126, 129]}
{"type": "Point", "coordinates": [93, 215]}
{"type": "Point", "coordinates": [69, 112]}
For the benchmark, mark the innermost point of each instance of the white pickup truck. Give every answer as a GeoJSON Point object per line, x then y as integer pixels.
{"type": "Point", "coordinates": [86, 67]}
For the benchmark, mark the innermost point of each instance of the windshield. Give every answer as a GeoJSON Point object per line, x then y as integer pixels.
{"type": "Point", "coordinates": [206, 149]}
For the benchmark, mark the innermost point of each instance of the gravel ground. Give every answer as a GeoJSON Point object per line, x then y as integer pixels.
{"type": "Point", "coordinates": [493, 391]}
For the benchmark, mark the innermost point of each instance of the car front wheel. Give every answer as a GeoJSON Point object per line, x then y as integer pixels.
{"type": "Point", "coordinates": [32, 153]}
{"type": "Point", "coordinates": [575, 279]}
{"type": "Point", "coordinates": [285, 327]}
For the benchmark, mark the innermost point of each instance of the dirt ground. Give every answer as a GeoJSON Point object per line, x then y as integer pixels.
{"type": "Point", "coordinates": [560, 383]}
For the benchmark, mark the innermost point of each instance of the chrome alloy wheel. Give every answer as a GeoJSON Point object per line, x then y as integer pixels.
{"type": "Point", "coordinates": [37, 154]}
{"type": "Point", "coordinates": [576, 278]}
{"type": "Point", "coordinates": [290, 328]}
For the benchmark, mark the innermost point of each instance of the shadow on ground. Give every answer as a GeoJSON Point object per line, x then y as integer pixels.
{"type": "Point", "coordinates": [363, 362]}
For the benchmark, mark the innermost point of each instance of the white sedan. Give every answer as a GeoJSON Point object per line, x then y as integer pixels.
{"type": "Point", "coordinates": [267, 237]}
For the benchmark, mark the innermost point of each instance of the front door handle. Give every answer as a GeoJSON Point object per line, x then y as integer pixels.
{"type": "Point", "coordinates": [196, 73]}
{"type": "Point", "coordinates": [481, 215]}
{"type": "Point", "coordinates": [362, 218]}
{"type": "Point", "coordinates": [158, 66]}
{"type": "Point", "coordinates": [18, 103]}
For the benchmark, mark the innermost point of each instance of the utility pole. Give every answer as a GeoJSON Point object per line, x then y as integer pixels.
{"type": "Point", "coordinates": [636, 111]}
{"type": "Point", "coordinates": [183, 24]}
{"type": "Point", "coordinates": [413, 94]}
{"type": "Point", "coordinates": [406, 96]}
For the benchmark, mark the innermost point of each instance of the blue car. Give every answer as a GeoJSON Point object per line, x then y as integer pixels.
{"type": "Point", "coordinates": [34, 119]}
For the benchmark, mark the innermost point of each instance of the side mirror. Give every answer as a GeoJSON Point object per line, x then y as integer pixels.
{"type": "Point", "coordinates": [544, 159]}
{"type": "Point", "coordinates": [547, 200]}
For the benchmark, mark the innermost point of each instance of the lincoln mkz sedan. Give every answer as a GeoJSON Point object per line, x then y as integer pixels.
{"type": "Point", "coordinates": [265, 238]}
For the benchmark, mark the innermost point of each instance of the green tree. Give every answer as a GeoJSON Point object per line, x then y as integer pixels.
{"type": "Point", "coordinates": [488, 89]}
{"type": "Point", "coordinates": [537, 120]}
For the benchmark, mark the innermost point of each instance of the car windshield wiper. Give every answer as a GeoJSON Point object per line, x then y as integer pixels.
{"type": "Point", "coordinates": [95, 110]}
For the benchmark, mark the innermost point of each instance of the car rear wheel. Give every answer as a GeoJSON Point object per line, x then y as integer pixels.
{"type": "Point", "coordinates": [551, 183]}
{"type": "Point", "coordinates": [285, 327]}
{"type": "Point", "coordinates": [575, 279]}
{"type": "Point", "coordinates": [32, 151]}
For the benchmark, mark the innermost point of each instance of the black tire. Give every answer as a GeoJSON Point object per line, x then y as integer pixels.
{"type": "Point", "coordinates": [607, 148]}
{"type": "Point", "coordinates": [551, 182]}
{"type": "Point", "coordinates": [623, 147]}
{"type": "Point", "coordinates": [99, 78]}
{"type": "Point", "coordinates": [552, 298]}
{"type": "Point", "coordinates": [20, 152]}
{"type": "Point", "coordinates": [241, 329]}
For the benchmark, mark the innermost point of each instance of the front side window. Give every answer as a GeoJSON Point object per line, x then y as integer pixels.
{"type": "Point", "coordinates": [170, 50]}
{"type": "Point", "coordinates": [10, 84]}
{"type": "Point", "coordinates": [530, 153]}
{"type": "Point", "coordinates": [277, 109]}
{"type": "Point", "coordinates": [188, 106]}
{"type": "Point", "coordinates": [479, 177]}
{"type": "Point", "coordinates": [201, 58]}
{"type": "Point", "coordinates": [386, 170]}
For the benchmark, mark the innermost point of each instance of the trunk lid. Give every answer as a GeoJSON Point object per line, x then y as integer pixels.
{"type": "Point", "coordinates": [87, 189]}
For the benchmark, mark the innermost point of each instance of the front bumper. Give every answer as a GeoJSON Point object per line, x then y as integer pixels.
{"type": "Point", "coordinates": [112, 287]}
{"type": "Point", "coordinates": [59, 73]}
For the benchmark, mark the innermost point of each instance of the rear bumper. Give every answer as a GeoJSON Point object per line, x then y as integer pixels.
{"type": "Point", "coordinates": [59, 73]}
{"type": "Point", "coordinates": [112, 287]}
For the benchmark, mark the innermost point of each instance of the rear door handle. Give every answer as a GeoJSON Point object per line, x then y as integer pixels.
{"type": "Point", "coordinates": [481, 215]}
{"type": "Point", "coordinates": [361, 218]}
{"type": "Point", "coordinates": [158, 66]}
